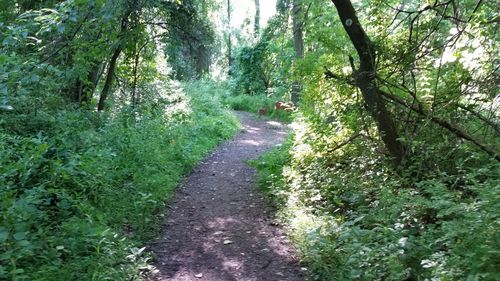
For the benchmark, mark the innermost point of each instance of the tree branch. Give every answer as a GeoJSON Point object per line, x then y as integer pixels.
{"type": "Point", "coordinates": [459, 132]}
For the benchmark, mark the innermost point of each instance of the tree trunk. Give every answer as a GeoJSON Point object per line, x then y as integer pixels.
{"type": "Point", "coordinates": [298, 39]}
{"type": "Point", "coordinates": [229, 45]}
{"type": "Point", "coordinates": [135, 99]}
{"type": "Point", "coordinates": [109, 79]}
{"type": "Point", "coordinates": [94, 77]}
{"type": "Point", "coordinates": [365, 79]}
{"type": "Point", "coordinates": [257, 19]}
{"type": "Point", "coordinates": [112, 63]}
{"type": "Point", "coordinates": [83, 90]}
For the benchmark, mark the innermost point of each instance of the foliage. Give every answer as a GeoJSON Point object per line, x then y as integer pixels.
{"type": "Point", "coordinates": [265, 66]}
{"type": "Point", "coordinates": [222, 91]}
{"type": "Point", "coordinates": [191, 39]}
{"type": "Point", "coordinates": [79, 189]}
{"type": "Point", "coordinates": [353, 215]}
{"type": "Point", "coordinates": [356, 220]}
{"type": "Point", "coordinates": [80, 199]}
{"type": "Point", "coordinates": [250, 79]}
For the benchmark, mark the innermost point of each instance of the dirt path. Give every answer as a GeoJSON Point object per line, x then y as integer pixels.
{"type": "Point", "coordinates": [218, 227]}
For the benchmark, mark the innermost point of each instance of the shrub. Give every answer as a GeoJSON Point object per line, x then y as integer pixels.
{"type": "Point", "coordinates": [79, 199]}
{"type": "Point", "coordinates": [353, 218]}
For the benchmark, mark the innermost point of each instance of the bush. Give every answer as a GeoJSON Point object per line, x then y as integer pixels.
{"type": "Point", "coordinates": [353, 218]}
{"type": "Point", "coordinates": [79, 199]}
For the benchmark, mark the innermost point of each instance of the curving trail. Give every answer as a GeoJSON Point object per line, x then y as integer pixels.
{"type": "Point", "coordinates": [218, 227]}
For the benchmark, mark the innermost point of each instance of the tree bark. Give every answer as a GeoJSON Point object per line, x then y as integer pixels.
{"type": "Point", "coordinates": [135, 99]}
{"type": "Point", "coordinates": [365, 79]}
{"type": "Point", "coordinates": [298, 39]}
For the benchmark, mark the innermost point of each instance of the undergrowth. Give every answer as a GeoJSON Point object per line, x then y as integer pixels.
{"type": "Point", "coordinates": [353, 218]}
{"type": "Point", "coordinates": [80, 197]}
{"type": "Point", "coordinates": [242, 102]}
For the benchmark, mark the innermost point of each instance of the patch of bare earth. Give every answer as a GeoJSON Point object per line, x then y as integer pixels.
{"type": "Point", "coordinates": [218, 226]}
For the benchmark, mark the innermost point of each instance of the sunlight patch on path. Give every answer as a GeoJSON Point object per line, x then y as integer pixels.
{"type": "Point", "coordinates": [219, 228]}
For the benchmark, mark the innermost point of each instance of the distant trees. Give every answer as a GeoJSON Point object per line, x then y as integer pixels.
{"type": "Point", "coordinates": [190, 38]}
{"type": "Point", "coordinates": [229, 42]}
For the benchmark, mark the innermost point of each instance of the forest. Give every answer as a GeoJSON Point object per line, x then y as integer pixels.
{"type": "Point", "coordinates": [391, 166]}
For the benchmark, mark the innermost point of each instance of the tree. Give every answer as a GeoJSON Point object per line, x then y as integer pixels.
{"type": "Point", "coordinates": [401, 77]}
{"type": "Point", "coordinates": [298, 39]}
{"type": "Point", "coordinates": [189, 46]}
{"type": "Point", "coordinates": [365, 76]}
{"type": "Point", "coordinates": [229, 44]}
{"type": "Point", "coordinates": [257, 19]}
{"type": "Point", "coordinates": [113, 60]}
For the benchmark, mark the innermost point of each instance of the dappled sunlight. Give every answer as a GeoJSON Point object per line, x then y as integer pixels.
{"type": "Point", "coordinates": [225, 227]}
{"type": "Point", "coordinates": [275, 124]}
{"type": "Point", "coordinates": [231, 264]}
{"type": "Point", "coordinates": [369, 128]}
{"type": "Point", "coordinates": [252, 130]}
{"type": "Point", "coordinates": [222, 242]}
{"type": "Point", "coordinates": [251, 142]}
{"type": "Point", "coordinates": [178, 102]}
{"type": "Point", "coordinates": [220, 222]}
{"type": "Point", "coordinates": [219, 227]}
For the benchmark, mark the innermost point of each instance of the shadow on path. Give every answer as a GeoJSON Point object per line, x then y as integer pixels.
{"type": "Point", "coordinates": [219, 228]}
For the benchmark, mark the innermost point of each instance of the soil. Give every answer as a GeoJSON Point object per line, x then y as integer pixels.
{"type": "Point", "coordinates": [218, 226]}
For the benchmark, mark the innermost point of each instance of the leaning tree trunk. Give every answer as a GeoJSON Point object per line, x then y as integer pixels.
{"type": "Point", "coordinates": [365, 79]}
{"type": "Point", "coordinates": [112, 63]}
{"type": "Point", "coordinates": [109, 80]}
{"type": "Point", "coordinates": [298, 40]}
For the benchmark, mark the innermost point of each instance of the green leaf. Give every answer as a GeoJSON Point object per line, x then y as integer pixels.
{"type": "Point", "coordinates": [17, 271]}
{"type": "Point", "coordinates": [24, 243]}
{"type": "Point", "coordinates": [4, 234]}
{"type": "Point", "coordinates": [3, 272]}
{"type": "Point", "coordinates": [20, 236]}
